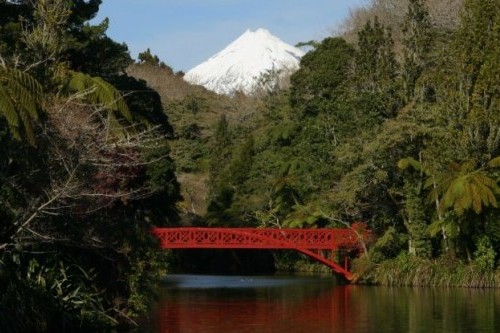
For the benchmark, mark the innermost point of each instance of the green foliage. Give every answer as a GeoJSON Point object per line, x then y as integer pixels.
{"type": "Point", "coordinates": [148, 58]}
{"type": "Point", "coordinates": [303, 217]}
{"type": "Point", "coordinates": [48, 290]}
{"type": "Point", "coordinates": [91, 51]}
{"type": "Point", "coordinates": [99, 92]}
{"type": "Point", "coordinates": [144, 103]}
{"type": "Point", "coordinates": [465, 187]}
{"type": "Point", "coordinates": [387, 246]}
{"type": "Point", "coordinates": [321, 80]}
{"type": "Point", "coordinates": [221, 152]}
{"type": "Point", "coordinates": [20, 102]}
{"type": "Point", "coordinates": [241, 164]}
{"type": "Point", "coordinates": [484, 257]}
{"type": "Point", "coordinates": [375, 62]}
{"type": "Point", "coordinates": [408, 162]}
{"type": "Point", "coordinates": [416, 220]}
{"type": "Point", "coordinates": [474, 95]}
{"type": "Point", "coordinates": [406, 270]}
{"type": "Point", "coordinates": [54, 36]}
{"type": "Point", "coordinates": [417, 44]}
{"type": "Point", "coordinates": [454, 191]}
{"type": "Point", "coordinates": [376, 68]}
{"type": "Point", "coordinates": [76, 253]}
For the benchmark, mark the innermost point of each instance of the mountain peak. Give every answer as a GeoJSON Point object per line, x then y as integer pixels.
{"type": "Point", "coordinates": [241, 65]}
{"type": "Point", "coordinates": [260, 32]}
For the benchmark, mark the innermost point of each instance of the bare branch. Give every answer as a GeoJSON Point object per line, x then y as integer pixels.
{"type": "Point", "coordinates": [358, 233]}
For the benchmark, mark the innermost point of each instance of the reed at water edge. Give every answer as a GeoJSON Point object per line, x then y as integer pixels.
{"type": "Point", "coordinates": [407, 270]}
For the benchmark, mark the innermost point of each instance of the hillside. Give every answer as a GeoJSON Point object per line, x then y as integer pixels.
{"type": "Point", "coordinates": [194, 113]}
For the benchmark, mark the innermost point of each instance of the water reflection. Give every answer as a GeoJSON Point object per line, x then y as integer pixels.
{"type": "Point", "coordinates": [205, 304]}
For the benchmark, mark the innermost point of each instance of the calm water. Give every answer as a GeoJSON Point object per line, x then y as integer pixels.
{"type": "Point", "coordinates": [218, 304]}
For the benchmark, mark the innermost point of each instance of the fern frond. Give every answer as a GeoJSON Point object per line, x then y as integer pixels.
{"type": "Point", "coordinates": [454, 167]}
{"type": "Point", "coordinates": [24, 98]}
{"type": "Point", "coordinates": [28, 128]}
{"type": "Point", "coordinates": [454, 194]}
{"type": "Point", "coordinates": [494, 163]}
{"type": "Point", "coordinates": [98, 91]}
{"type": "Point", "coordinates": [467, 166]}
{"type": "Point", "coordinates": [117, 103]}
{"type": "Point", "coordinates": [7, 108]}
{"type": "Point", "coordinates": [483, 179]}
{"type": "Point", "coordinates": [28, 82]}
{"type": "Point", "coordinates": [20, 99]}
{"type": "Point", "coordinates": [476, 200]}
{"type": "Point", "coordinates": [429, 183]}
{"type": "Point", "coordinates": [405, 163]}
{"type": "Point", "coordinates": [435, 227]}
{"type": "Point", "coordinates": [78, 82]}
{"type": "Point", "coordinates": [115, 128]}
{"type": "Point", "coordinates": [492, 200]}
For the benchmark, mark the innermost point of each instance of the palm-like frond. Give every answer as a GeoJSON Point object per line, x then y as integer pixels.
{"type": "Point", "coordinates": [97, 91]}
{"type": "Point", "coordinates": [494, 163]}
{"type": "Point", "coordinates": [20, 99]}
{"type": "Point", "coordinates": [461, 187]}
{"type": "Point", "coordinates": [408, 162]}
{"type": "Point", "coordinates": [464, 187]}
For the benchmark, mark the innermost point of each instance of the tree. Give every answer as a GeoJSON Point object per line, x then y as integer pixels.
{"type": "Point", "coordinates": [460, 188]}
{"type": "Point", "coordinates": [57, 32]}
{"type": "Point", "coordinates": [375, 71]}
{"type": "Point", "coordinates": [75, 211]}
{"type": "Point", "coordinates": [414, 204]}
{"type": "Point", "coordinates": [241, 164]}
{"type": "Point", "coordinates": [474, 95]}
{"type": "Point", "coordinates": [321, 80]}
{"type": "Point", "coordinates": [221, 193]}
{"type": "Point", "coordinates": [148, 58]}
{"type": "Point", "coordinates": [416, 43]}
{"type": "Point", "coordinates": [465, 187]}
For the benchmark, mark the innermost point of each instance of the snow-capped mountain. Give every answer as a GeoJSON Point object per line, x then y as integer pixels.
{"type": "Point", "coordinates": [242, 65]}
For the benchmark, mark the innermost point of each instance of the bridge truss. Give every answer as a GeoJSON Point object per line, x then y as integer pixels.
{"type": "Point", "coordinates": [319, 244]}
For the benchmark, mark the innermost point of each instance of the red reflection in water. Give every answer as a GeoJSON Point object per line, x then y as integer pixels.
{"type": "Point", "coordinates": [327, 311]}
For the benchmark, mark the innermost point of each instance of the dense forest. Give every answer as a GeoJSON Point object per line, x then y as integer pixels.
{"type": "Point", "coordinates": [394, 121]}
{"type": "Point", "coordinates": [85, 172]}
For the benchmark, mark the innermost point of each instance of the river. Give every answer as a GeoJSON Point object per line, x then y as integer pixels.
{"type": "Point", "coordinates": [291, 304]}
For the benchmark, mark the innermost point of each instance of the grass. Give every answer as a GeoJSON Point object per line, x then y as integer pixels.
{"type": "Point", "coordinates": [406, 270]}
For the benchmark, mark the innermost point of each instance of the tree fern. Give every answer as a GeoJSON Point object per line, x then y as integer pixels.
{"type": "Point", "coordinates": [465, 186]}
{"type": "Point", "coordinates": [20, 99]}
{"type": "Point", "coordinates": [461, 187]}
{"type": "Point", "coordinates": [97, 91]}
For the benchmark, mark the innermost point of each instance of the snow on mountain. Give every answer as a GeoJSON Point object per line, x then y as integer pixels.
{"type": "Point", "coordinates": [243, 63]}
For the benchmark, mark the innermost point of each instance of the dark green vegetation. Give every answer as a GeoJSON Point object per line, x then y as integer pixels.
{"type": "Point", "coordinates": [84, 173]}
{"type": "Point", "coordinates": [400, 129]}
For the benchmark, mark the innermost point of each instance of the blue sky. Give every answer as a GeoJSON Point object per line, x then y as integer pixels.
{"type": "Point", "coordinates": [183, 33]}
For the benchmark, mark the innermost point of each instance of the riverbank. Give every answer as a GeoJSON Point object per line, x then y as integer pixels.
{"type": "Point", "coordinates": [411, 271]}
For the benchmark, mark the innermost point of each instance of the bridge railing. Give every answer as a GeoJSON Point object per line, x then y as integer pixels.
{"type": "Point", "coordinates": [266, 238]}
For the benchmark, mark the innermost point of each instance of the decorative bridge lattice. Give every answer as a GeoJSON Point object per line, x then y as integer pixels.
{"type": "Point", "coordinates": [319, 244]}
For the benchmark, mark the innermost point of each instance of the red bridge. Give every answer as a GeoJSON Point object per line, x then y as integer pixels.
{"type": "Point", "coordinates": [319, 244]}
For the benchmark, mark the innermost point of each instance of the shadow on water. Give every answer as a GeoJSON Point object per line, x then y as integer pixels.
{"type": "Point", "coordinates": [187, 281]}
{"type": "Point", "coordinates": [206, 304]}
